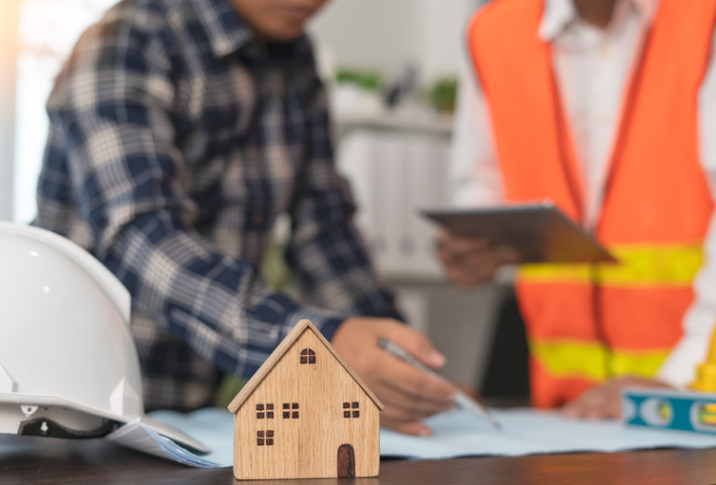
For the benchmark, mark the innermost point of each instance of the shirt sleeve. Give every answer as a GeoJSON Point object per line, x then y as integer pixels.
{"type": "Point", "coordinates": [474, 174]}
{"type": "Point", "coordinates": [679, 368]}
{"type": "Point", "coordinates": [326, 253]}
{"type": "Point", "coordinates": [111, 120]}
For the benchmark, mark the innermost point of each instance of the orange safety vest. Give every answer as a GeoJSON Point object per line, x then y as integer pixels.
{"type": "Point", "coordinates": [586, 323]}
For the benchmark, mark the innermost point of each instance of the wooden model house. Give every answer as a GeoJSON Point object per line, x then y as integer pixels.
{"type": "Point", "coordinates": [305, 414]}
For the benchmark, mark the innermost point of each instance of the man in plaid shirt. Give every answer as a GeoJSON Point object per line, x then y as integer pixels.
{"type": "Point", "coordinates": [179, 131]}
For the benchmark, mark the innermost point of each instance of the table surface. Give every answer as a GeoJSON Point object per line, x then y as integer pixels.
{"type": "Point", "coordinates": [50, 461]}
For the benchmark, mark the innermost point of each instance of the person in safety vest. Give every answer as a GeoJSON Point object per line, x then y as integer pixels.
{"type": "Point", "coordinates": [180, 130]}
{"type": "Point", "coordinates": [608, 108]}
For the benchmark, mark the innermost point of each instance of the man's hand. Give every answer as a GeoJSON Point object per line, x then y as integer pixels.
{"type": "Point", "coordinates": [471, 261]}
{"type": "Point", "coordinates": [604, 401]}
{"type": "Point", "coordinates": [408, 394]}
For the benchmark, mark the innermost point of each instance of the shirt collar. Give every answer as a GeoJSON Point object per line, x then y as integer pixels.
{"type": "Point", "coordinates": [226, 30]}
{"type": "Point", "coordinates": [558, 14]}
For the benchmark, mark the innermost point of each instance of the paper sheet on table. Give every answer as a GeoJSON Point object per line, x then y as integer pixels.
{"type": "Point", "coordinates": [528, 432]}
{"type": "Point", "coordinates": [455, 433]}
{"type": "Point", "coordinates": [211, 426]}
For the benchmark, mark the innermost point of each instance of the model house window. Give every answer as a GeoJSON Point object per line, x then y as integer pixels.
{"type": "Point", "coordinates": [350, 409]}
{"type": "Point", "coordinates": [290, 410]}
{"type": "Point", "coordinates": [268, 408]}
{"type": "Point", "coordinates": [264, 438]}
{"type": "Point", "coordinates": [308, 356]}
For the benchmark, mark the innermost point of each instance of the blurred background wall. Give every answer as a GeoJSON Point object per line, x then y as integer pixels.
{"type": "Point", "coordinates": [9, 14]}
{"type": "Point", "coordinates": [387, 34]}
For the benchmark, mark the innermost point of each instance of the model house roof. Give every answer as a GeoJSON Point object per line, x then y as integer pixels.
{"type": "Point", "coordinates": [302, 326]}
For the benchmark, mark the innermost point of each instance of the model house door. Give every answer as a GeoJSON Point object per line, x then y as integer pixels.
{"type": "Point", "coordinates": [346, 462]}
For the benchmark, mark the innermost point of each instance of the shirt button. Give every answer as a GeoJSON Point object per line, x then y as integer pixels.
{"type": "Point", "coordinates": [603, 51]}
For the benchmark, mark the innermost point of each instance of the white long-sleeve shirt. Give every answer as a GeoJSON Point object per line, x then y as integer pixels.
{"type": "Point", "coordinates": [592, 67]}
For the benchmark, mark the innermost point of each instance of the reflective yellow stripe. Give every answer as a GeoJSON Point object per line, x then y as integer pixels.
{"type": "Point", "coordinates": [553, 273]}
{"type": "Point", "coordinates": [644, 363]}
{"type": "Point", "coordinates": [638, 265]}
{"type": "Point", "coordinates": [667, 265]}
{"type": "Point", "coordinates": [571, 358]}
{"type": "Point", "coordinates": [590, 360]}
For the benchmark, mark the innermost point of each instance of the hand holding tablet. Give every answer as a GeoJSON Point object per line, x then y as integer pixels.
{"type": "Point", "coordinates": [540, 232]}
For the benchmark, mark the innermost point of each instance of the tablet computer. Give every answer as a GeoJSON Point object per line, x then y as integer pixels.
{"type": "Point", "coordinates": [539, 232]}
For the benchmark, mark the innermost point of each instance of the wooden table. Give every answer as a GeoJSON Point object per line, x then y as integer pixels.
{"type": "Point", "coordinates": [48, 461]}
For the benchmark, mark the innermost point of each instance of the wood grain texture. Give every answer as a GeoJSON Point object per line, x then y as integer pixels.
{"type": "Point", "coordinates": [306, 444]}
{"type": "Point", "coordinates": [45, 461]}
{"type": "Point", "coordinates": [276, 355]}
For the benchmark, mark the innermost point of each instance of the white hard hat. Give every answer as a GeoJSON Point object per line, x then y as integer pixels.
{"type": "Point", "coordinates": [68, 365]}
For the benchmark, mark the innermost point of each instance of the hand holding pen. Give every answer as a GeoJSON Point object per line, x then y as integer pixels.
{"type": "Point", "coordinates": [409, 395]}
{"type": "Point", "coordinates": [465, 402]}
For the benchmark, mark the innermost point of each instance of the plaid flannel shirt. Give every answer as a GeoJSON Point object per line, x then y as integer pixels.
{"type": "Point", "coordinates": [176, 139]}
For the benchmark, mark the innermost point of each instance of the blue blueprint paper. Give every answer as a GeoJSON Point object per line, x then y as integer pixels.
{"type": "Point", "coordinates": [529, 431]}
{"type": "Point", "coordinates": [455, 433]}
{"type": "Point", "coordinates": [212, 426]}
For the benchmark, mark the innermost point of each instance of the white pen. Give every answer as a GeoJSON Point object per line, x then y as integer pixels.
{"type": "Point", "coordinates": [461, 399]}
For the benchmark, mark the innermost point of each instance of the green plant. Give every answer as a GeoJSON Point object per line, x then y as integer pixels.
{"type": "Point", "coordinates": [369, 79]}
{"type": "Point", "coordinates": [442, 94]}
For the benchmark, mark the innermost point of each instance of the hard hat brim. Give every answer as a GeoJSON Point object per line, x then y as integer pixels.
{"type": "Point", "coordinates": [154, 424]}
